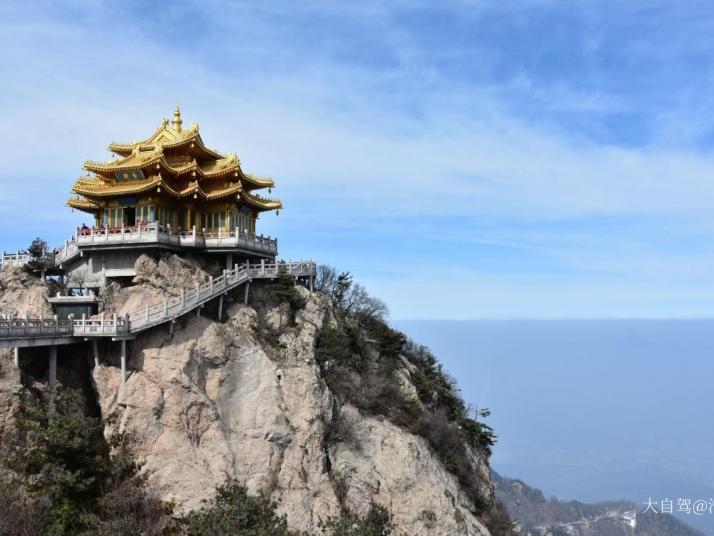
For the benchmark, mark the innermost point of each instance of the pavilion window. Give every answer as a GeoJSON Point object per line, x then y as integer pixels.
{"type": "Point", "coordinates": [214, 220]}
{"type": "Point", "coordinates": [246, 224]}
{"type": "Point", "coordinates": [114, 217]}
{"type": "Point", "coordinates": [246, 221]}
{"type": "Point", "coordinates": [163, 216]}
{"type": "Point", "coordinates": [145, 214]}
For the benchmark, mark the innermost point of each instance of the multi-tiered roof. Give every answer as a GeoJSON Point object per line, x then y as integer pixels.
{"type": "Point", "coordinates": [172, 163]}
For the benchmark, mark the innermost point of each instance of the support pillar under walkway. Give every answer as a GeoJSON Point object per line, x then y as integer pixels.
{"type": "Point", "coordinates": [52, 379]}
{"type": "Point", "coordinates": [123, 361]}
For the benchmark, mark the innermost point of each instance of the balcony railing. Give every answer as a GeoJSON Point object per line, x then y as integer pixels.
{"type": "Point", "coordinates": [147, 234]}
{"type": "Point", "coordinates": [193, 238]}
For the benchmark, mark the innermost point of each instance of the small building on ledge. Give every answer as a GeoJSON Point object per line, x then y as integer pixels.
{"type": "Point", "coordinates": [168, 192]}
{"type": "Point", "coordinates": [74, 306]}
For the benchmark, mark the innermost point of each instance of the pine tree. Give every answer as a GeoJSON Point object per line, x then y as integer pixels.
{"type": "Point", "coordinates": [37, 252]}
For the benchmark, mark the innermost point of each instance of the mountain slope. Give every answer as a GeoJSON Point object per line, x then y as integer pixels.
{"type": "Point", "coordinates": [291, 396]}
{"type": "Point", "coordinates": [538, 516]}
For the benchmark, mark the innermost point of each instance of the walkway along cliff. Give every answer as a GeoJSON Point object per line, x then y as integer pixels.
{"type": "Point", "coordinates": [217, 371]}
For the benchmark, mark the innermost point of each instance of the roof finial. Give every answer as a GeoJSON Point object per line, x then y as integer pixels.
{"type": "Point", "coordinates": [177, 120]}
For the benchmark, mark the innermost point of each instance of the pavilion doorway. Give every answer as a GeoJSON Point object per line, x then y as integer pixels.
{"type": "Point", "coordinates": [129, 216]}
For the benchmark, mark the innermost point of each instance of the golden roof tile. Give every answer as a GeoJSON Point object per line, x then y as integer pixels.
{"type": "Point", "coordinates": [178, 154]}
{"type": "Point", "coordinates": [262, 203]}
{"type": "Point", "coordinates": [82, 204]}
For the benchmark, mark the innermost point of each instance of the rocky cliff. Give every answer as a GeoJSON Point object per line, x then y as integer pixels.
{"type": "Point", "coordinates": [21, 295]}
{"type": "Point", "coordinates": [246, 397]}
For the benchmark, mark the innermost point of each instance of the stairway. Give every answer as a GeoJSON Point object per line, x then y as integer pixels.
{"type": "Point", "coordinates": [154, 314]}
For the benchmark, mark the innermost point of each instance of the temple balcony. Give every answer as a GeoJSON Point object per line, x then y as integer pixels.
{"type": "Point", "coordinates": [155, 235]}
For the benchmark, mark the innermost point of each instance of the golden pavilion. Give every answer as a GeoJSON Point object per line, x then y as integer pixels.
{"type": "Point", "coordinates": [172, 179]}
{"type": "Point", "coordinates": [168, 193]}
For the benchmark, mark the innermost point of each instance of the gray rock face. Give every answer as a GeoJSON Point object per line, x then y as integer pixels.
{"type": "Point", "coordinates": [398, 470]}
{"type": "Point", "coordinates": [10, 390]}
{"type": "Point", "coordinates": [22, 294]}
{"type": "Point", "coordinates": [214, 400]}
{"type": "Point", "coordinates": [154, 280]}
{"type": "Point", "coordinates": [170, 274]}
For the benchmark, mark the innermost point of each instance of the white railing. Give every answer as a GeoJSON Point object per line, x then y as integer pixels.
{"type": "Point", "coordinates": [21, 258]}
{"type": "Point", "coordinates": [66, 251]}
{"type": "Point", "coordinates": [156, 313]}
{"type": "Point", "coordinates": [154, 233]}
{"type": "Point", "coordinates": [101, 327]}
{"type": "Point", "coordinates": [146, 234]}
{"type": "Point", "coordinates": [27, 328]}
{"type": "Point", "coordinates": [170, 308]}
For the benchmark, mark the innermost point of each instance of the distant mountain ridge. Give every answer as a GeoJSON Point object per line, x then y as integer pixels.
{"type": "Point", "coordinates": [538, 516]}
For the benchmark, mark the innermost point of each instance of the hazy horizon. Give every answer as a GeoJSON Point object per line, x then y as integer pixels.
{"type": "Point", "coordinates": [590, 410]}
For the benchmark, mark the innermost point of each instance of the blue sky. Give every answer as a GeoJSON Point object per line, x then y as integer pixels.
{"type": "Point", "coordinates": [464, 159]}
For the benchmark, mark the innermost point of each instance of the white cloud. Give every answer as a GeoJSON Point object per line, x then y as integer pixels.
{"type": "Point", "coordinates": [357, 144]}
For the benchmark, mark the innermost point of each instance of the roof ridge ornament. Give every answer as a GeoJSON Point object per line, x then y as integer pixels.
{"type": "Point", "coordinates": [177, 121]}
